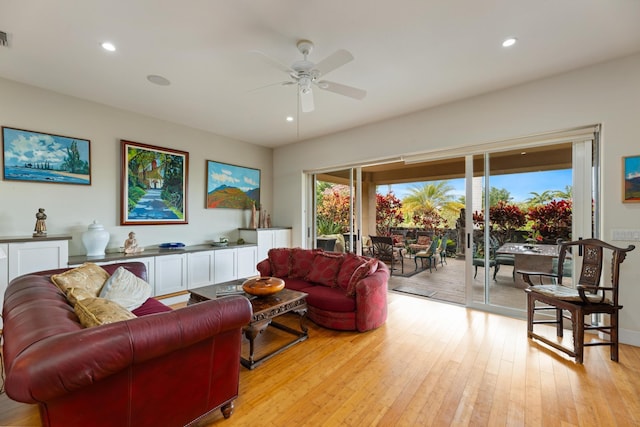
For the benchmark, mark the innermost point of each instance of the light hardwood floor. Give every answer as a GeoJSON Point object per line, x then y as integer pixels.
{"type": "Point", "coordinates": [431, 364]}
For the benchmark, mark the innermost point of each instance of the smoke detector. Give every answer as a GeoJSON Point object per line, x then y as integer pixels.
{"type": "Point", "coordinates": [3, 39]}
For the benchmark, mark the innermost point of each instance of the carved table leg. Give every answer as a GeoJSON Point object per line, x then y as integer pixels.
{"type": "Point", "coordinates": [251, 332]}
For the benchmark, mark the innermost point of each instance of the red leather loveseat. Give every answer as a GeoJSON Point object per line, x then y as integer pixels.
{"type": "Point", "coordinates": [163, 368]}
{"type": "Point", "coordinates": [346, 291]}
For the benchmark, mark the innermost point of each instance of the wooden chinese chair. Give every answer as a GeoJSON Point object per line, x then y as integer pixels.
{"type": "Point", "coordinates": [587, 297]}
{"type": "Point", "coordinates": [382, 248]}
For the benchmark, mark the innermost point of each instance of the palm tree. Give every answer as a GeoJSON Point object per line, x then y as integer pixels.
{"type": "Point", "coordinates": [433, 195]}
{"type": "Point", "coordinates": [564, 194]}
{"type": "Point", "coordinates": [540, 198]}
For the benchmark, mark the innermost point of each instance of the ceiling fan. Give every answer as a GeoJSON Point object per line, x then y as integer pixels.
{"type": "Point", "coordinates": [306, 74]}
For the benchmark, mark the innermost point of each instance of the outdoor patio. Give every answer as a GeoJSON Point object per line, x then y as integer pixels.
{"type": "Point", "coordinates": [447, 284]}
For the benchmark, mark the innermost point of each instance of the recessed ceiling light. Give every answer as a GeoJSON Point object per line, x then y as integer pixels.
{"type": "Point", "coordinates": [509, 42]}
{"type": "Point", "coordinates": [108, 46]}
{"type": "Point", "coordinates": [289, 118]}
{"type": "Point", "coordinates": [158, 80]}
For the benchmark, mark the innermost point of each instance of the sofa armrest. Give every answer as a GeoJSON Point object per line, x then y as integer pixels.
{"type": "Point", "coordinates": [371, 299]}
{"type": "Point", "coordinates": [264, 267]}
{"type": "Point", "coordinates": [62, 363]}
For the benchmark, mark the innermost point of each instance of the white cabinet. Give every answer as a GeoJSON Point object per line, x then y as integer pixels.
{"type": "Point", "coordinates": [225, 265]}
{"type": "Point", "coordinates": [170, 274]}
{"type": "Point", "coordinates": [267, 238]}
{"type": "Point", "coordinates": [200, 269]}
{"type": "Point", "coordinates": [27, 257]}
{"type": "Point", "coordinates": [247, 261]}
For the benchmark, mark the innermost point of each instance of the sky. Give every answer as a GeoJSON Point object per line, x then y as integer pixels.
{"type": "Point", "coordinates": [519, 185]}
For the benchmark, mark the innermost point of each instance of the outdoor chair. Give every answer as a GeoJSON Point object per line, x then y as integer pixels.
{"type": "Point", "coordinates": [383, 249]}
{"type": "Point", "coordinates": [422, 243]}
{"type": "Point", "coordinates": [506, 259]}
{"type": "Point", "coordinates": [442, 250]}
{"type": "Point", "coordinates": [585, 298]}
{"type": "Point", "coordinates": [429, 255]}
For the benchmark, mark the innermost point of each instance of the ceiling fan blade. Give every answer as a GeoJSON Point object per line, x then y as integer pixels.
{"type": "Point", "coordinates": [285, 83]}
{"type": "Point", "coordinates": [273, 62]}
{"type": "Point", "coordinates": [333, 61]}
{"type": "Point", "coordinates": [306, 100]}
{"type": "Point", "coordinates": [349, 91]}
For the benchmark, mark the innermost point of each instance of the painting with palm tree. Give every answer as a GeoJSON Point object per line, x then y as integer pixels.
{"type": "Point", "coordinates": [154, 185]}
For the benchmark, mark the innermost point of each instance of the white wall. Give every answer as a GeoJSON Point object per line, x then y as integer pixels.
{"type": "Point", "coordinates": [607, 93]}
{"type": "Point", "coordinates": [71, 208]}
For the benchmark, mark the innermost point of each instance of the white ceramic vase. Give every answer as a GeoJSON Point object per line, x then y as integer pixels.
{"type": "Point", "coordinates": [95, 239]}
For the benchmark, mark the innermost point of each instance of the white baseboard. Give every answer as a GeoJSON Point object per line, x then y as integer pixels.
{"type": "Point", "coordinates": [630, 337]}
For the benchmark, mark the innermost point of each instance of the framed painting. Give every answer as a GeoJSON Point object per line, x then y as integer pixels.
{"type": "Point", "coordinates": [43, 157]}
{"type": "Point", "coordinates": [154, 185]}
{"type": "Point", "coordinates": [231, 186]}
{"type": "Point", "coordinates": [631, 179]}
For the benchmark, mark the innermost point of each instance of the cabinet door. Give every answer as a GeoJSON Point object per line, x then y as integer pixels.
{"type": "Point", "coordinates": [170, 274]}
{"type": "Point", "coordinates": [27, 257]}
{"type": "Point", "coordinates": [247, 261]}
{"type": "Point", "coordinates": [225, 265]}
{"type": "Point", "coordinates": [200, 269]}
{"type": "Point", "coordinates": [282, 239]}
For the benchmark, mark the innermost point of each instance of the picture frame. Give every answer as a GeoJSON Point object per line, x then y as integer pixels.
{"type": "Point", "coordinates": [231, 186]}
{"type": "Point", "coordinates": [154, 185]}
{"type": "Point", "coordinates": [631, 179]}
{"type": "Point", "coordinates": [32, 156]}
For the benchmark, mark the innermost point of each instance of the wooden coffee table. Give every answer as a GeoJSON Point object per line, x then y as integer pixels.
{"type": "Point", "coordinates": [265, 310]}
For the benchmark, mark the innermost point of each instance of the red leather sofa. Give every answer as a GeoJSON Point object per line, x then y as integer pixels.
{"type": "Point", "coordinates": [346, 292]}
{"type": "Point", "coordinates": [164, 368]}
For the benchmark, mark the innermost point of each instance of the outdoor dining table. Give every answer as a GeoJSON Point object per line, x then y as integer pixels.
{"type": "Point", "coordinates": [529, 257]}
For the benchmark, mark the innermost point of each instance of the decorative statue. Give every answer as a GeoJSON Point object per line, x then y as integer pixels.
{"type": "Point", "coordinates": [131, 244]}
{"type": "Point", "coordinates": [252, 224]}
{"type": "Point", "coordinates": [460, 249]}
{"type": "Point", "coordinates": [268, 222]}
{"type": "Point", "coordinates": [41, 224]}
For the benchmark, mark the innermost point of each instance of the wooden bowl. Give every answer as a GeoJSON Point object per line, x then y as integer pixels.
{"type": "Point", "coordinates": [262, 286]}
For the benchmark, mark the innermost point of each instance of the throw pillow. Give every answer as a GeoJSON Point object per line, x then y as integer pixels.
{"type": "Point", "coordinates": [350, 263]}
{"type": "Point", "coordinates": [85, 281]}
{"type": "Point", "coordinates": [325, 269]}
{"type": "Point", "coordinates": [99, 311]}
{"type": "Point", "coordinates": [126, 289]}
{"type": "Point", "coordinates": [364, 270]}
{"type": "Point", "coordinates": [423, 240]}
{"type": "Point", "coordinates": [280, 259]}
{"type": "Point", "coordinates": [302, 261]}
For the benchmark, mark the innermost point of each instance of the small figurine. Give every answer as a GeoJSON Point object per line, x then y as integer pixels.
{"type": "Point", "coordinates": [40, 229]}
{"type": "Point", "coordinates": [131, 244]}
{"type": "Point", "coordinates": [252, 224]}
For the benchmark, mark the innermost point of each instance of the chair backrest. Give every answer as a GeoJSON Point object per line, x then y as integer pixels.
{"type": "Point", "coordinates": [593, 253]}
{"type": "Point", "coordinates": [443, 244]}
{"type": "Point", "coordinates": [382, 247]}
{"type": "Point", "coordinates": [433, 247]}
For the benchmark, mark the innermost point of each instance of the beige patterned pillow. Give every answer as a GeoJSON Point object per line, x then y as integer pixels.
{"type": "Point", "coordinates": [100, 311]}
{"type": "Point", "coordinates": [81, 282]}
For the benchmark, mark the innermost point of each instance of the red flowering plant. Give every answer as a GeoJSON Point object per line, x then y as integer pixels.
{"type": "Point", "coordinates": [428, 218]}
{"type": "Point", "coordinates": [388, 213]}
{"type": "Point", "coordinates": [551, 221]}
{"type": "Point", "coordinates": [505, 218]}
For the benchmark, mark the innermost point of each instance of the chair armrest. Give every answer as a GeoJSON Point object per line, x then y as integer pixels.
{"type": "Point", "coordinates": [526, 276]}
{"type": "Point", "coordinates": [371, 299]}
{"type": "Point", "coordinates": [62, 363]}
{"type": "Point", "coordinates": [264, 267]}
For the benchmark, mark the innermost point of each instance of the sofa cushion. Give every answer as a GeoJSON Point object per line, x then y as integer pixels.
{"type": "Point", "coordinates": [297, 284]}
{"type": "Point", "coordinates": [350, 263]}
{"type": "Point", "coordinates": [330, 299]}
{"type": "Point", "coordinates": [280, 259]}
{"type": "Point", "coordinates": [302, 262]}
{"type": "Point", "coordinates": [364, 270]}
{"type": "Point", "coordinates": [81, 282]}
{"type": "Point", "coordinates": [99, 311]}
{"type": "Point", "coordinates": [151, 306]}
{"type": "Point", "coordinates": [126, 289]}
{"type": "Point", "coordinates": [325, 268]}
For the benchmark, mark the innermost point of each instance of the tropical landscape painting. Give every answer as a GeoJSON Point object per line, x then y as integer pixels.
{"type": "Point", "coordinates": [154, 184]}
{"type": "Point", "coordinates": [230, 186]}
{"type": "Point", "coordinates": [42, 157]}
{"type": "Point", "coordinates": [631, 168]}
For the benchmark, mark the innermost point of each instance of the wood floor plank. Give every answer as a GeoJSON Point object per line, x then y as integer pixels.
{"type": "Point", "coordinates": [431, 364]}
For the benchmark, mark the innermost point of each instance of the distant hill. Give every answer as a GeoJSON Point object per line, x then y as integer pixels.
{"type": "Point", "coordinates": [228, 197]}
{"type": "Point", "coordinates": [632, 189]}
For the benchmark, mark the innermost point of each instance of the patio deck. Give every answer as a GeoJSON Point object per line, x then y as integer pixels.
{"type": "Point", "coordinates": [447, 284]}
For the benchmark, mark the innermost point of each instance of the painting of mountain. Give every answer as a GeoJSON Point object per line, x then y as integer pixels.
{"type": "Point", "coordinates": [631, 179]}
{"type": "Point", "coordinates": [231, 186]}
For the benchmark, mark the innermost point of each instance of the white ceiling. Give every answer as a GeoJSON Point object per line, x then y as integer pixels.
{"type": "Point", "coordinates": [409, 54]}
